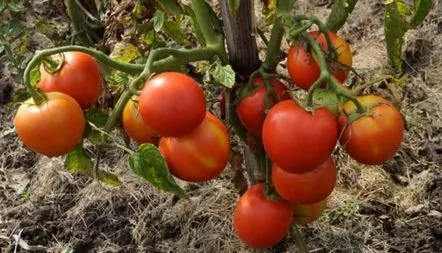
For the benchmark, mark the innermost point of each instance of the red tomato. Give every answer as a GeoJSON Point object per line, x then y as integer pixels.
{"type": "Point", "coordinates": [79, 77]}
{"type": "Point", "coordinates": [251, 110]}
{"type": "Point", "coordinates": [200, 155]}
{"type": "Point", "coordinates": [172, 103]}
{"type": "Point", "coordinates": [304, 68]}
{"type": "Point", "coordinates": [261, 222]}
{"type": "Point", "coordinates": [306, 188]}
{"type": "Point", "coordinates": [297, 140]}
{"type": "Point", "coordinates": [52, 128]}
{"type": "Point", "coordinates": [306, 214]}
{"type": "Point", "coordinates": [134, 126]}
{"type": "Point", "coordinates": [372, 139]}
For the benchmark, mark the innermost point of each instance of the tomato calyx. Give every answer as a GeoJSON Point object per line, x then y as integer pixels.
{"type": "Point", "coordinates": [53, 66]}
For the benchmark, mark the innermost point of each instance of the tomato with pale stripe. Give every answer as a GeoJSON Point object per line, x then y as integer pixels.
{"type": "Point", "coordinates": [374, 138]}
{"type": "Point", "coordinates": [200, 155]}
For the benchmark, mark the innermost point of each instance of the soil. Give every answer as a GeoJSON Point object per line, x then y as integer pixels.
{"type": "Point", "coordinates": [396, 207]}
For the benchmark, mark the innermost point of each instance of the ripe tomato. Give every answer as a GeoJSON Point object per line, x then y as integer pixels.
{"type": "Point", "coordinates": [79, 77]}
{"type": "Point", "coordinates": [372, 139]}
{"type": "Point", "coordinates": [52, 128]}
{"type": "Point", "coordinates": [306, 214]}
{"type": "Point", "coordinates": [261, 222]}
{"type": "Point", "coordinates": [199, 155]}
{"type": "Point", "coordinates": [297, 140]}
{"type": "Point", "coordinates": [304, 68]}
{"type": "Point", "coordinates": [172, 103]}
{"type": "Point", "coordinates": [251, 110]}
{"type": "Point", "coordinates": [134, 126]}
{"type": "Point", "coordinates": [306, 188]}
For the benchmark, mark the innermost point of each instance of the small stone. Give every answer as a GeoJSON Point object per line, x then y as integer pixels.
{"type": "Point", "coordinates": [414, 209]}
{"type": "Point", "coordinates": [435, 214]}
{"type": "Point", "coordinates": [383, 217]}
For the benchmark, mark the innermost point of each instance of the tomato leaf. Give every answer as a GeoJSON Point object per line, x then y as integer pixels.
{"type": "Point", "coordinates": [224, 75]}
{"type": "Point", "coordinates": [169, 6]}
{"type": "Point", "coordinates": [173, 29]}
{"type": "Point", "coordinates": [77, 161]}
{"type": "Point", "coordinates": [99, 119]}
{"type": "Point", "coordinates": [149, 164]}
{"type": "Point", "coordinates": [339, 14]}
{"type": "Point", "coordinates": [269, 10]}
{"type": "Point", "coordinates": [20, 95]}
{"type": "Point", "coordinates": [234, 6]}
{"type": "Point", "coordinates": [16, 6]}
{"type": "Point", "coordinates": [395, 28]}
{"type": "Point", "coordinates": [34, 76]}
{"type": "Point", "coordinates": [158, 21]}
{"type": "Point", "coordinates": [125, 52]}
{"type": "Point", "coordinates": [421, 9]}
{"type": "Point", "coordinates": [197, 31]}
{"type": "Point", "coordinates": [403, 8]}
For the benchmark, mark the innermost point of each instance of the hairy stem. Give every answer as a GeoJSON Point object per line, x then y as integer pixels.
{"type": "Point", "coordinates": [299, 240]}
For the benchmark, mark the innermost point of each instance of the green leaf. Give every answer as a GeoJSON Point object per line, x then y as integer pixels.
{"type": "Point", "coordinates": [269, 10]}
{"type": "Point", "coordinates": [20, 95]}
{"type": "Point", "coordinates": [174, 30]}
{"type": "Point", "coordinates": [158, 21]}
{"type": "Point", "coordinates": [2, 5]}
{"type": "Point", "coordinates": [224, 75]}
{"type": "Point", "coordinates": [77, 161]}
{"type": "Point", "coordinates": [234, 6]}
{"type": "Point", "coordinates": [395, 28]}
{"type": "Point", "coordinates": [16, 6]}
{"type": "Point", "coordinates": [169, 6]}
{"type": "Point", "coordinates": [148, 38]}
{"type": "Point", "coordinates": [421, 9]}
{"type": "Point", "coordinates": [14, 28]}
{"type": "Point", "coordinates": [197, 31]}
{"type": "Point", "coordinates": [34, 76]}
{"type": "Point", "coordinates": [98, 118]}
{"type": "Point", "coordinates": [149, 164]}
{"type": "Point", "coordinates": [403, 8]}
{"type": "Point", "coordinates": [339, 14]}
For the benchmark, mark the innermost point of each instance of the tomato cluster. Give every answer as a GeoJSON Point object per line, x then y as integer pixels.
{"type": "Point", "coordinates": [300, 141]}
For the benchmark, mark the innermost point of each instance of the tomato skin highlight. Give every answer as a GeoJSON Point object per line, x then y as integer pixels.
{"type": "Point", "coordinates": [200, 155]}
{"type": "Point", "coordinates": [305, 188]}
{"type": "Point", "coordinates": [372, 139]}
{"type": "Point", "coordinates": [306, 214]}
{"type": "Point", "coordinates": [297, 140]}
{"type": "Point", "coordinates": [134, 125]}
{"type": "Point", "coordinates": [261, 222]}
{"type": "Point", "coordinates": [80, 77]}
{"type": "Point", "coordinates": [251, 109]}
{"type": "Point", "coordinates": [172, 103]}
{"type": "Point", "coordinates": [52, 128]}
{"type": "Point", "coordinates": [304, 68]}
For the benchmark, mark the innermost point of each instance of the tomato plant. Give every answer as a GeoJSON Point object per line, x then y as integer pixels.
{"type": "Point", "coordinates": [134, 125]}
{"type": "Point", "coordinates": [259, 221]}
{"type": "Point", "coordinates": [306, 214]}
{"type": "Point", "coordinates": [303, 67]}
{"type": "Point", "coordinates": [79, 76]}
{"type": "Point", "coordinates": [52, 128]}
{"type": "Point", "coordinates": [306, 188]}
{"type": "Point", "coordinates": [374, 138]}
{"type": "Point", "coordinates": [297, 140]}
{"type": "Point", "coordinates": [172, 103]}
{"type": "Point", "coordinates": [200, 155]}
{"type": "Point", "coordinates": [251, 109]}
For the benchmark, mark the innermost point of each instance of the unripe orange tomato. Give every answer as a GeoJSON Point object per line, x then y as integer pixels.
{"type": "Point", "coordinates": [306, 214]}
{"type": "Point", "coordinates": [375, 138]}
{"type": "Point", "coordinates": [200, 155]}
{"type": "Point", "coordinates": [134, 126]}
{"type": "Point", "coordinates": [52, 128]}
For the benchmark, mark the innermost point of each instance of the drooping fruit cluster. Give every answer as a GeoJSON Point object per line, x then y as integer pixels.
{"type": "Point", "coordinates": [300, 141]}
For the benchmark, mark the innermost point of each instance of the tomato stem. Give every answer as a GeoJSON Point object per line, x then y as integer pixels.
{"type": "Point", "coordinates": [299, 240]}
{"type": "Point", "coordinates": [273, 56]}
